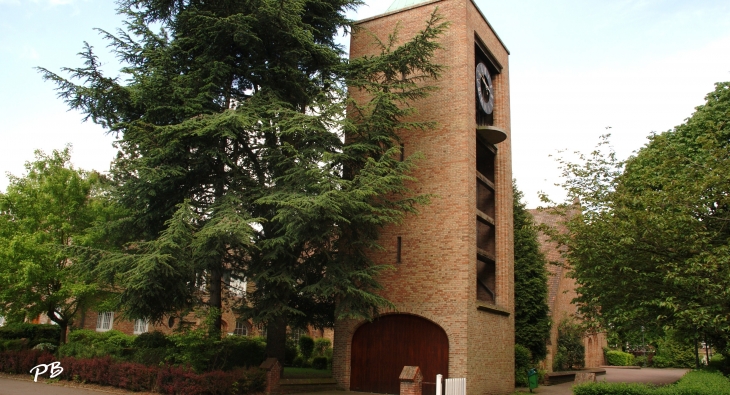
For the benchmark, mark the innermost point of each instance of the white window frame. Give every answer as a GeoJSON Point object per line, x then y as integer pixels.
{"type": "Point", "coordinates": [241, 328]}
{"type": "Point", "coordinates": [141, 326]}
{"type": "Point", "coordinates": [104, 321]}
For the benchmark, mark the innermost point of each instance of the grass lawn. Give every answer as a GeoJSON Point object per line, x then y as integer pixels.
{"type": "Point", "coordinates": [305, 373]}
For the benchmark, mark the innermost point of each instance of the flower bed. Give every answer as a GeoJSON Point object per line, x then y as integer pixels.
{"type": "Point", "coordinates": [138, 377]}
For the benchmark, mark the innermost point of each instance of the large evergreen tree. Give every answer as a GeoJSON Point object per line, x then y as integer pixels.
{"type": "Point", "coordinates": [233, 161]}
{"type": "Point", "coordinates": [532, 319]}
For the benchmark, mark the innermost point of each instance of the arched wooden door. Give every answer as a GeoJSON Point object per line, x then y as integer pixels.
{"type": "Point", "coordinates": [381, 348]}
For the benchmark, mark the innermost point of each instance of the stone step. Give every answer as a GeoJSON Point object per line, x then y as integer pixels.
{"type": "Point", "coordinates": [293, 386]}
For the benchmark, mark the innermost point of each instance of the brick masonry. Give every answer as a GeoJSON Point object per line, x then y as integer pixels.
{"type": "Point", "coordinates": [561, 292]}
{"type": "Point", "coordinates": [411, 381]}
{"type": "Point", "coordinates": [436, 278]}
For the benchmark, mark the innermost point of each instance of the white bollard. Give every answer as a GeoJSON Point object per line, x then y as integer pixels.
{"type": "Point", "coordinates": [439, 377]}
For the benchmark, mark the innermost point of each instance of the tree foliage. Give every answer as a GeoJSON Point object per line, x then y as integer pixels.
{"type": "Point", "coordinates": [652, 245]}
{"type": "Point", "coordinates": [52, 207]}
{"type": "Point", "coordinates": [532, 320]}
{"type": "Point", "coordinates": [233, 159]}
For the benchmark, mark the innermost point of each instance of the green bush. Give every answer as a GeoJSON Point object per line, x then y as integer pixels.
{"type": "Point", "coordinates": [155, 339]}
{"type": "Point", "coordinates": [35, 333]}
{"type": "Point", "coordinates": [306, 346]}
{"type": "Point", "coordinates": [85, 343]}
{"type": "Point", "coordinates": [718, 362]}
{"type": "Point", "coordinates": [298, 361]}
{"type": "Point", "coordinates": [660, 361]}
{"type": "Point", "coordinates": [571, 351]}
{"type": "Point", "coordinates": [13, 344]}
{"type": "Point", "coordinates": [674, 352]}
{"type": "Point", "coordinates": [240, 351]}
{"type": "Point", "coordinates": [693, 383]}
{"type": "Point", "coordinates": [641, 361]}
{"type": "Point", "coordinates": [290, 352]}
{"type": "Point", "coordinates": [523, 361]}
{"type": "Point", "coordinates": [321, 345]}
{"type": "Point", "coordinates": [619, 358]}
{"type": "Point", "coordinates": [319, 363]}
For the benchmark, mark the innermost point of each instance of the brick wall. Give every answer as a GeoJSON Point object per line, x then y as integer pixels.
{"type": "Point", "coordinates": [436, 278]}
{"type": "Point", "coordinates": [561, 292]}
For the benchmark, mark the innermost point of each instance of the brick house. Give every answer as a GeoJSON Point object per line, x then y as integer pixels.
{"type": "Point", "coordinates": [561, 292]}
{"type": "Point", "coordinates": [453, 282]}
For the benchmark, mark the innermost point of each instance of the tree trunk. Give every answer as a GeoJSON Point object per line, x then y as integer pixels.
{"type": "Point", "coordinates": [215, 301]}
{"type": "Point", "coordinates": [697, 352]}
{"type": "Point", "coordinates": [276, 339]}
{"type": "Point", "coordinates": [64, 329]}
{"type": "Point", "coordinates": [62, 323]}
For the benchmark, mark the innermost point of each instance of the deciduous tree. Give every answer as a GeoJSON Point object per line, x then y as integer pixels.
{"type": "Point", "coordinates": [651, 246]}
{"type": "Point", "coordinates": [52, 207]}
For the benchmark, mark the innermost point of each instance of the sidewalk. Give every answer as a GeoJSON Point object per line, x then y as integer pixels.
{"type": "Point", "coordinates": [24, 385]}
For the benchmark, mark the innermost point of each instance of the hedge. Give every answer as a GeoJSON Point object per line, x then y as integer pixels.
{"type": "Point", "coordinates": [620, 358]}
{"type": "Point", "coordinates": [138, 377]}
{"type": "Point", "coordinates": [523, 362]}
{"type": "Point", "coordinates": [34, 333]}
{"type": "Point", "coordinates": [693, 383]}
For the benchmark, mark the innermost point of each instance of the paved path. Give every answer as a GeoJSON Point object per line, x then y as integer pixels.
{"type": "Point", "coordinates": [18, 386]}
{"type": "Point", "coordinates": [24, 385]}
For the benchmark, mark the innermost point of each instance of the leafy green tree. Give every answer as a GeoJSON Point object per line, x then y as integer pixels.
{"type": "Point", "coordinates": [233, 158]}
{"type": "Point", "coordinates": [532, 320]}
{"type": "Point", "coordinates": [651, 246]}
{"type": "Point", "coordinates": [571, 351]}
{"type": "Point", "coordinates": [52, 207]}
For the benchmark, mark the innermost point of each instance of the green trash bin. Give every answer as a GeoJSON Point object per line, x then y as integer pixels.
{"type": "Point", "coordinates": [532, 379]}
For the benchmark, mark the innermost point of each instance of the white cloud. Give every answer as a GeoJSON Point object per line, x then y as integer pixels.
{"type": "Point", "coordinates": [569, 110]}
{"type": "Point", "coordinates": [29, 53]}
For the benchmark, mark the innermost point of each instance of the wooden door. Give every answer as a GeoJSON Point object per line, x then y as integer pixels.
{"type": "Point", "coordinates": [381, 348]}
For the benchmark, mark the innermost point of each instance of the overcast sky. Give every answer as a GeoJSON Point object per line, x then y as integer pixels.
{"type": "Point", "coordinates": [576, 67]}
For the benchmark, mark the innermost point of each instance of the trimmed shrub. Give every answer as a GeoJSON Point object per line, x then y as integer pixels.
{"type": "Point", "coordinates": [298, 362]}
{"type": "Point", "coordinates": [306, 346]}
{"type": "Point", "coordinates": [290, 351]}
{"type": "Point", "coordinates": [693, 383]}
{"type": "Point", "coordinates": [641, 361]}
{"type": "Point", "coordinates": [319, 363]}
{"type": "Point", "coordinates": [137, 377]}
{"type": "Point", "coordinates": [321, 345]}
{"type": "Point", "coordinates": [619, 358]}
{"type": "Point", "coordinates": [35, 333]}
{"type": "Point", "coordinates": [85, 343]}
{"type": "Point", "coordinates": [21, 362]}
{"type": "Point", "coordinates": [571, 351]}
{"type": "Point", "coordinates": [523, 361]}
{"type": "Point", "coordinates": [155, 339]}
{"type": "Point", "coordinates": [719, 362]}
{"type": "Point", "coordinates": [13, 344]}
{"type": "Point", "coordinates": [674, 352]}
{"type": "Point", "coordinates": [196, 349]}
{"type": "Point", "coordinates": [241, 351]}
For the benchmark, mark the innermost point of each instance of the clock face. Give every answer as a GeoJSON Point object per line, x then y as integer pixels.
{"type": "Point", "coordinates": [485, 91]}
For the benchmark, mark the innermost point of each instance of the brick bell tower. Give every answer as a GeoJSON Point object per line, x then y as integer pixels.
{"type": "Point", "coordinates": [453, 284]}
